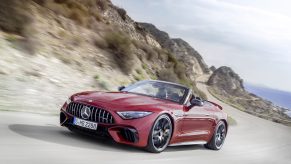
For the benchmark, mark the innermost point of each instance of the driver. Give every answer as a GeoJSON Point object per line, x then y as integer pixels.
{"type": "Point", "coordinates": [173, 96]}
{"type": "Point", "coordinates": [162, 93]}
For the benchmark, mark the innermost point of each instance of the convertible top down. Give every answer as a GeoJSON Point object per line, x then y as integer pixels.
{"type": "Point", "coordinates": [150, 114]}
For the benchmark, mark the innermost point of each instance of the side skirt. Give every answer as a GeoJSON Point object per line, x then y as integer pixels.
{"type": "Point", "coordinates": [189, 143]}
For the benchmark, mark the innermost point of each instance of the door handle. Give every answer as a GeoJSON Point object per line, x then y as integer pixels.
{"type": "Point", "coordinates": [206, 114]}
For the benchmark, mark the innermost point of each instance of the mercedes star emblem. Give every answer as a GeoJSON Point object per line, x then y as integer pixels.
{"type": "Point", "coordinates": [85, 112]}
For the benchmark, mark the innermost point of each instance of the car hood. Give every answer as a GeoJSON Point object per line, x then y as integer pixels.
{"type": "Point", "coordinates": [122, 100]}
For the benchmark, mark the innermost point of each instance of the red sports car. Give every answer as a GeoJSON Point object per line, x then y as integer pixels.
{"type": "Point", "coordinates": [149, 114]}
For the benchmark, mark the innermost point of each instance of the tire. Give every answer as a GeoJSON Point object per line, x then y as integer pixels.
{"type": "Point", "coordinates": [160, 134]}
{"type": "Point", "coordinates": [218, 137]}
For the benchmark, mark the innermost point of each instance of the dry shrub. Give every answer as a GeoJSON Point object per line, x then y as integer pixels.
{"type": "Point", "coordinates": [103, 4]}
{"type": "Point", "coordinates": [13, 16]}
{"type": "Point", "coordinates": [97, 16]}
{"type": "Point", "coordinates": [151, 53]}
{"type": "Point", "coordinates": [199, 93]}
{"type": "Point", "coordinates": [78, 17]}
{"type": "Point", "coordinates": [71, 9]}
{"type": "Point", "coordinates": [120, 44]}
{"type": "Point", "coordinates": [74, 5]}
{"type": "Point", "coordinates": [172, 58]}
{"type": "Point", "coordinates": [89, 3]}
{"type": "Point", "coordinates": [180, 70]}
{"type": "Point", "coordinates": [163, 57]}
{"type": "Point", "coordinates": [168, 75]}
{"type": "Point", "coordinates": [60, 9]}
{"type": "Point", "coordinates": [149, 50]}
{"type": "Point", "coordinates": [61, 1]}
{"type": "Point", "coordinates": [40, 2]}
{"type": "Point", "coordinates": [121, 12]}
{"type": "Point", "coordinates": [100, 43]}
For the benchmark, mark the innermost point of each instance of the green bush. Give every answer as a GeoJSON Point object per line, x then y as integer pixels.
{"type": "Point", "coordinates": [120, 44]}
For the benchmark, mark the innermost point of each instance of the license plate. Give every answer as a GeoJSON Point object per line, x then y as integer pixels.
{"type": "Point", "coordinates": [85, 124]}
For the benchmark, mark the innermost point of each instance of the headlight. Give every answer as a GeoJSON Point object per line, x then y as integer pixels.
{"type": "Point", "coordinates": [69, 100]}
{"type": "Point", "coordinates": [133, 114]}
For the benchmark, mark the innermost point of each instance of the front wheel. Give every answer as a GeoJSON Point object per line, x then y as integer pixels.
{"type": "Point", "coordinates": [160, 134]}
{"type": "Point", "coordinates": [218, 137]}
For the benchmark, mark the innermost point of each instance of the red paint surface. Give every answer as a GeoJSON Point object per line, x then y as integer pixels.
{"type": "Point", "coordinates": [195, 124]}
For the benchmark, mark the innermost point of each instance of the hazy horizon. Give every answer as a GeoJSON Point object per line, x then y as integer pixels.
{"type": "Point", "coordinates": [252, 37]}
{"type": "Point", "coordinates": [278, 97]}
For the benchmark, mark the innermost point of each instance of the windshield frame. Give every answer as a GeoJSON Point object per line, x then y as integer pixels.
{"type": "Point", "coordinates": [181, 102]}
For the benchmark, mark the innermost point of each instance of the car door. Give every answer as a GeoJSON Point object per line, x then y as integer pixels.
{"type": "Point", "coordinates": [197, 123]}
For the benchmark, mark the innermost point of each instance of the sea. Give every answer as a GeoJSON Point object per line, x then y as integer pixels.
{"type": "Point", "coordinates": [278, 97]}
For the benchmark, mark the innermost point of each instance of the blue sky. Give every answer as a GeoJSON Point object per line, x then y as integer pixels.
{"type": "Point", "coordinates": [251, 36]}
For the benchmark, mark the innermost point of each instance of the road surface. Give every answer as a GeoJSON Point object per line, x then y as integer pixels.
{"type": "Point", "coordinates": [33, 138]}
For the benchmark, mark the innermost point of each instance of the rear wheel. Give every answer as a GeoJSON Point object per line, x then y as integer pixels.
{"type": "Point", "coordinates": [218, 137]}
{"type": "Point", "coordinates": [160, 134]}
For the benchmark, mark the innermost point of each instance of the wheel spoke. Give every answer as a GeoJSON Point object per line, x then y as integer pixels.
{"type": "Point", "coordinates": [167, 132]}
{"type": "Point", "coordinates": [156, 132]}
{"type": "Point", "coordinates": [220, 136]}
{"type": "Point", "coordinates": [161, 133]}
{"type": "Point", "coordinates": [166, 126]}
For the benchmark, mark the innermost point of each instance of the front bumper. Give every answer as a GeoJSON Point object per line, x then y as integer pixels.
{"type": "Point", "coordinates": [131, 132]}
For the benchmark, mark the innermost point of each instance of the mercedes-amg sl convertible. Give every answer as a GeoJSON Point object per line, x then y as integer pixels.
{"type": "Point", "coordinates": [149, 114]}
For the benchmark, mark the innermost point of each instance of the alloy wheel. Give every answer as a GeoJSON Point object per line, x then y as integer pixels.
{"type": "Point", "coordinates": [220, 136]}
{"type": "Point", "coordinates": [161, 134]}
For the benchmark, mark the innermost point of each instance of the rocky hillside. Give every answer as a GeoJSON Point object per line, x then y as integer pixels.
{"type": "Point", "coordinates": [50, 49]}
{"type": "Point", "coordinates": [191, 58]}
{"type": "Point", "coordinates": [227, 85]}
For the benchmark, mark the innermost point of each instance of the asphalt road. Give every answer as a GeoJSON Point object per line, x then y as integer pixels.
{"type": "Point", "coordinates": [33, 138]}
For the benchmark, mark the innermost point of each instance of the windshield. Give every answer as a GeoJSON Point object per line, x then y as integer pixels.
{"type": "Point", "coordinates": [160, 90]}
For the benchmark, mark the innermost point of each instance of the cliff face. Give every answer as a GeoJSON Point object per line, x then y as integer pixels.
{"type": "Point", "coordinates": [226, 79]}
{"type": "Point", "coordinates": [191, 58]}
{"type": "Point", "coordinates": [228, 86]}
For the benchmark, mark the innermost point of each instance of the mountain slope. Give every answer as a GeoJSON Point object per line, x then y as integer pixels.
{"type": "Point", "coordinates": [52, 48]}
{"type": "Point", "coordinates": [227, 85]}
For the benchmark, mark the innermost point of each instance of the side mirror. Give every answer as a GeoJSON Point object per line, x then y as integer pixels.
{"type": "Point", "coordinates": [121, 88]}
{"type": "Point", "coordinates": [196, 102]}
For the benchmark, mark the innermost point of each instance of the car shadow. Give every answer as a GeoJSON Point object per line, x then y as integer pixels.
{"type": "Point", "coordinates": [185, 148]}
{"type": "Point", "coordinates": [60, 135]}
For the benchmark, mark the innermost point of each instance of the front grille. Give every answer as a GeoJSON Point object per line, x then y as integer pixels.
{"type": "Point", "coordinates": [98, 115]}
